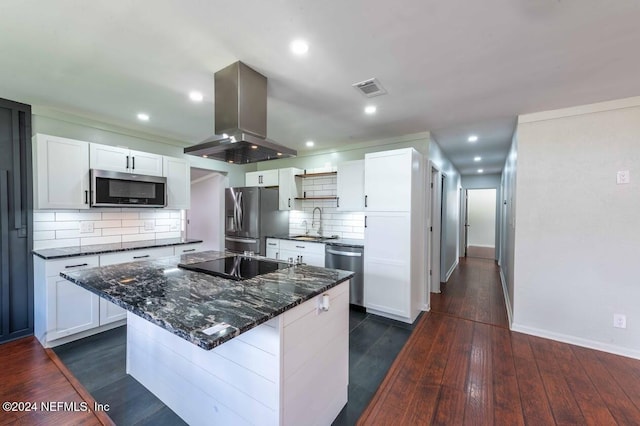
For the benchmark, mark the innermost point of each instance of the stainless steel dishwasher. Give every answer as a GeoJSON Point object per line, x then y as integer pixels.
{"type": "Point", "coordinates": [348, 259]}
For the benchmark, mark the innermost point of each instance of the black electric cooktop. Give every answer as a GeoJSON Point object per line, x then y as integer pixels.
{"type": "Point", "coordinates": [235, 267]}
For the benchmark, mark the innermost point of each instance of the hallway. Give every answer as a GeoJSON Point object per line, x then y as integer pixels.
{"type": "Point", "coordinates": [462, 365]}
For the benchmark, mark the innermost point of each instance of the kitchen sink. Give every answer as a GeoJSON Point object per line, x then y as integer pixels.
{"type": "Point", "coordinates": [311, 238]}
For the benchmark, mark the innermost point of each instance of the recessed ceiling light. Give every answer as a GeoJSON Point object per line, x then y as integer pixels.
{"type": "Point", "coordinates": [196, 96]}
{"type": "Point", "coordinates": [254, 146]}
{"type": "Point", "coordinates": [279, 154]}
{"type": "Point", "coordinates": [224, 135]}
{"type": "Point", "coordinates": [205, 156]}
{"type": "Point", "coordinates": [310, 143]}
{"type": "Point", "coordinates": [230, 161]}
{"type": "Point", "coordinates": [370, 109]}
{"type": "Point", "coordinates": [143, 117]}
{"type": "Point", "coordinates": [477, 158]}
{"type": "Point", "coordinates": [473, 138]}
{"type": "Point", "coordinates": [299, 47]}
{"type": "Point", "coordinates": [480, 171]}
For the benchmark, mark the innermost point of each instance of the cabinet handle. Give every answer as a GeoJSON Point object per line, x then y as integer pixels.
{"type": "Point", "coordinates": [300, 247]}
{"type": "Point", "coordinates": [260, 179]}
{"type": "Point", "coordinates": [127, 161]}
{"type": "Point", "coordinates": [365, 221]}
{"type": "Point", "coordinates": [141, 257]}
{"type": "Point", "coordinates": [272, 244]}
{"type": "Point", "coordinates": [300, 258]}
{"type": "Point", "coordinates": [133, 163]}
{"type": "Point", "coordinates": [76, 266]}
{"type": "Point", "coordinates": [365, 200]}
{"type": "Point", "coordinates": [188, 250]}
{"type": "Point", "coordinates": [86, 197]}
{"type": "Point", "coordinates": [337, 202]}
{"type": "Point", "coordinates": [289, 202]}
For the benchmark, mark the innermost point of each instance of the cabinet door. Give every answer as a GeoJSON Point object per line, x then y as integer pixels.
{"type": "Point", "coordinates": [70, 308]}
{"type": "Point", "coordinates": [350, 186]}
{"type": "Point", "coordinates": [105, 157]}
{"type": "Point", "coordinates": [290, 188]}
{"type": "Point", "coordinates": [270, 177]}
{"type": "Point", "coordinates": [286, 255]}
{"type": "Point", "coordinates": [178, 174]}
{"type": "Point", "coordinates": [62, 173]}
{"type": "Point", "coordinates": [145, 163]}
{"type": "Point", "coordinates": [110, 312]}
{"type": "Point", "coordinates": [252, 179]}
{"type": "Point", "coordinates": [312, 259]}
{"type": "Point", "coordinates": [387, 283]}
{"type": "Point", "coordinates": [387, 180]}
{"type": "Point", "coordinates": [273, 248]}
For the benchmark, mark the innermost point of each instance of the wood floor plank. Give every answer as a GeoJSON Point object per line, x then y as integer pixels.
{"type": "Point", "coordinates": [479, 387]}
{"type": "Point", "coordinates": [508, 410]}
{"type": "Point", "coordinates": [451, 406]}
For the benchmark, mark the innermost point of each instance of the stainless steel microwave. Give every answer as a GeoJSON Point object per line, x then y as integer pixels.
{"type": "Point", "coordinates": [116, 189]}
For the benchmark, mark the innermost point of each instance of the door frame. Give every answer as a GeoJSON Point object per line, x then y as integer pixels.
{"type": "Point", "coordinates": [434, 226]}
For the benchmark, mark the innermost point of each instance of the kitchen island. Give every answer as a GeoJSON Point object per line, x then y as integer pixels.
{"type": "Point", "coordinates": [221, 351]}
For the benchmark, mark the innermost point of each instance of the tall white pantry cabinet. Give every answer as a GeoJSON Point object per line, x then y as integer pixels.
{"type": "Point", "coordinates": [394, 259]}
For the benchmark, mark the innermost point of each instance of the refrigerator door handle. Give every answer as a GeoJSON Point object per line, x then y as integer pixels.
{"type": "Point", "coordinates": [241, 240]}
{"type": "Point", "coordinates": [240, 212]}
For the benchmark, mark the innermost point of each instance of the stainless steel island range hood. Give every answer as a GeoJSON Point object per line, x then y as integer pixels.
{"type": "Point", "coordinates": [240, 119]}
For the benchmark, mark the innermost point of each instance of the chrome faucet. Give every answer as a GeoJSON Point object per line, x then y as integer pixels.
{"type": "Point", "coordinates": [306, 227]}
{"type": "Point", "coordinates": [313, 220]}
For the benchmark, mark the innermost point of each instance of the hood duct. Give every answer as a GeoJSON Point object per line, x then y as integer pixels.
{"type": "Point", "coordinates": [240, 119]}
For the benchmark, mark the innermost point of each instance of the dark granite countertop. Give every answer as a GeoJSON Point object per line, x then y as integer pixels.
{"type": "Point", "coordinates": [58, 253]}
{"type": "Point", "coordinates": [186, 303]}
{"type": "Point", "coordinates": [345, 242]}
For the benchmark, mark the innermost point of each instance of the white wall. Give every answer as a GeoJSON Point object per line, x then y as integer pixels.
{"type": "Point", "coordinates": [506, 249]}
{"type": "Point", "coordinates": [577, 236]}
{"type": "Point", "coordinates": [451, 214]}
{"type": "Point", "coordinates": [481, 205]}
{"type": "Point", "coordinates": [205, 217]}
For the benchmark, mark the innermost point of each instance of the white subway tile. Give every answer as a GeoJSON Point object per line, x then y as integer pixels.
{"type": "Point", "coordinates": [134, 222]}
{"type": "Point", "coordinates": [44, 235]}
{"type": "Point", "coordinates": [138, 237]}
{"type": "Point", "coordinates": [100, 240]}
{"type": "Point", "coordinates": [163, 228]}
{"type": "Point", "coordinates": [75, 233]}
{"type": "Point", "coordinates": [120, 215]}
{"type": "Point", "coordinates": [44, 216]}
{"type": "Point", "coordinates": [155, 215]}
{"type": "Point", "coordinates": [63, 216]}
{"type": "Point", "coordinates": [172, 234]}
{"type": "Point", "coordinates": [167, 222]}
{"type": "Point", "coordinates": [70, 242]}
{"type": "Point", "coordinates": [54, 226]}
{"type": "Point", "coordinates": [175, 214]}
{"type": "Point", "coordinates": [107, 223]}
{"type": "Point", "coordinates": [119, 231]}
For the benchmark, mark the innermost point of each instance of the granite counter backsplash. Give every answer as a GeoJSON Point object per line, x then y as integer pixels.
{"type": "Point", "coordinates": [62, 252]}
{"type": "Point", "coordinates": [186, 303]}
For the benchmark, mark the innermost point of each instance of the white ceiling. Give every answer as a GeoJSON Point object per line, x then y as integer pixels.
{"type": "Point", "coordinates": [452, 67]}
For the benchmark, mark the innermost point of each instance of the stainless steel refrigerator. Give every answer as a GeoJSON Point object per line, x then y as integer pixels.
{"type": "Point", "coordinates": [251, 215]}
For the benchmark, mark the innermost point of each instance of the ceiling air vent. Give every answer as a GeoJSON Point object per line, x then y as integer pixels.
{"type": "Point", "coordinates": [370, 88]}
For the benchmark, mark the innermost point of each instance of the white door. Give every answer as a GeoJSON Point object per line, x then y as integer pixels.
{"type": "Point", "coordinates": [481, 229]}
{"type": "Point", "coordinates": [105, 157]}
{"type": "Point", "coordinates": [387, 180]}
{"type": "Point", "coordinates": [62, 173]}
{"type": "Point", "coordinates": [70, 308]}
{"type": "Point", "coordinates": [350, 186]}
{"type": "Point", "coordinates": [144, 163]}
{"type": "Point", "coordinates": [177, 171]}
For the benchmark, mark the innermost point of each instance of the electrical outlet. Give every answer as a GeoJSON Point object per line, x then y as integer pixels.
{"type": "Point", "coordinates": [86, 227]}
{"type": "Point", "coordinates": [623, 177]}
{"type": "Point", "coordinates": [149, 225]}
{"type": "Point", "coordinates": [619, 321]}
{"type": "Point", "coordinates": [175, 225]}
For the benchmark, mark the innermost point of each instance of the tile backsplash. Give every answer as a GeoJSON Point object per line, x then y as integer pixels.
{"type": "Point", "coordinates": [70, 228]}
{"type": "Point", "coordinates": [334, 222]}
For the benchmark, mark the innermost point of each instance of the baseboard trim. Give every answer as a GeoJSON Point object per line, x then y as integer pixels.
{"type": "Point", "coordinates": [507, 300]}
{"type": "Point", "coordinates": [578, 341]}
{"type": "Point", "coordinates": [453, 268]}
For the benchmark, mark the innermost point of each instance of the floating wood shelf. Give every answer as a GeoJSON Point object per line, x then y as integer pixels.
{"type": "Point", "coordinates": [312, 175]}
{"type": "Point", "coordinates": [316, 198]}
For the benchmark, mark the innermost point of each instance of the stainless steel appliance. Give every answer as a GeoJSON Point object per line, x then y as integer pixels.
{"type": "Point", "coordinates": [348, 259]}
{"type": "Point", "coordinates": [116, 189]}
{"type": "Point", "coordinates": [235, 267]}
{"type": "Point", "coordinates": [240, 119]}
{"type": "Point", "coordinates": [251, 214]}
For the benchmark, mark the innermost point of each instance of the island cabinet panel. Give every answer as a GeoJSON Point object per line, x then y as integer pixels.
{"type": "Point", "coordinates": [290, 370]}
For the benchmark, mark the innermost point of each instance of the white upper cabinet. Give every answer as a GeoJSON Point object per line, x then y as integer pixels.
{"type": "Point", "coordinates": [262, 178]}
{"type": "Point", "coordinates": [61, 173]}
{"type": "Point", "coordinates": [350, 186]}
{"type": "Point", "coordinates": [290, 188]}
{"type": "Point", "coordinates": [106, 157]}
{"type": "Point", "coordinates": [387, 180]}
{"type": "Point", "coordinates": [178, 174]}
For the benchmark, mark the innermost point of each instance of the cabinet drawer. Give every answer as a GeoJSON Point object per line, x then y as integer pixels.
{"type": "Point", "coordinates": [305, 246]}
{"type": "Point", "coordinates": [273, 243]}
{"type": "Point", "coordinates": [54, 267]}
{"type": "Point", "coordinates": [187, 248]}
{"type": "Point", "coordinates": [135, 255]}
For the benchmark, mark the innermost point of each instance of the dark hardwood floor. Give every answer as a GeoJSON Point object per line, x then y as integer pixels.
{"type": "Point", "coordinates": [462, 365]}
{"type": "Point", "coordinates": [32, 375]}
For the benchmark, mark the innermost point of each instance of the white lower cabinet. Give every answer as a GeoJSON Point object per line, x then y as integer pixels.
{"type": "Point", "coordinates": [187, 248]}
{"type": "Point", "coordinates": [64, 311]}
{"type": "Point", "coordinates": [302, 252]}
{"type": "Point", "coordinates": [273, 248]}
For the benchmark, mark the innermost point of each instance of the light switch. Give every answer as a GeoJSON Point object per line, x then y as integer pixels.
{"type": "Point", "coordinates": [623, 177]}
{"type": "Point", "coordinates": [149, 225]}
